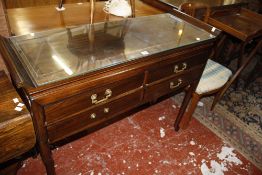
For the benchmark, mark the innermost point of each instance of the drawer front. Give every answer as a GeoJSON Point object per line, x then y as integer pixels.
{"type": "Point", "coordinates": [94, 116]}
{"type": "Point", "coordinates": [70, 106]}
{"type": "Point", "coordinates": [168, 85]}
{"type": "Point", "coordinates": [172, 66]}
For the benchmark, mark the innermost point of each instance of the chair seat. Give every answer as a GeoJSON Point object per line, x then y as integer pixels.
{"type": "Point", "coordinates": [214, 77]}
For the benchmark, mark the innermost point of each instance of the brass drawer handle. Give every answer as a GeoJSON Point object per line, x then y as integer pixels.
{"type": "Point", "coordinates": [176, 69]}
{"type": "Point", "coordinates": [108, 93]}
{"type": "Point", "coordinates": [173, 86]}
{"type": "Point", "coordinates": [106, 110]}
{"type": "Point", "coordinates": [93, 116]}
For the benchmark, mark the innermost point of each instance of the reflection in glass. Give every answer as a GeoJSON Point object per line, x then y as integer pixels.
{"type": "Point", "coordinates": [63, 53]}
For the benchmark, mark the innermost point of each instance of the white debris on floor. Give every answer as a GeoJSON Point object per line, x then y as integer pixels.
{"type": "Point", "coordinates": [192, 142]}
{"type": "Point", "coordinates": [162, 132]}
{"type": "Point", "coordinates": [226, 157]}
{"type": "Point", "coordinates": [92, 172]}
{"type": "Point", "coordinates": [165, 162]}
{"type": "Point", "coordinates": [216, 169]}
{"type": "Point", "coordinates": [161, 118]}
{"type": "Point", "coordinates": [191, 154]}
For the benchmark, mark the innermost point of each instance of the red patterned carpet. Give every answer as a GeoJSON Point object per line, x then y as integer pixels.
{"type": "Point", "coordinates": [145, 143]}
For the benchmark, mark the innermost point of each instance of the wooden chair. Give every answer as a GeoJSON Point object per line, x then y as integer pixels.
{"type": "Point", "coordinates": [198, 10]}
{"type": "Point", "coordinates": [216, 78]}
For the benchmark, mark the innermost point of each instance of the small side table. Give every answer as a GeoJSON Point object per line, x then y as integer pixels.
{"type": "Point", "coordinates": [17, 134]}
{"type": "Point", "coordinates": [244, 25]}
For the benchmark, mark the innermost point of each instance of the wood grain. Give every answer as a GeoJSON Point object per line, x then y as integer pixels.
{"type": "Point", "coordinates": [81, 102]}
{"type": "Point", "coordinates": [2, 12]}
{"type": "Point", "coordinates": [16, 128]}
{"type": "Point", "coordinates": [4, 25]}
{"type": "Point", "coordinates": [32, 3]}
{"type": "Point", "coordinates": [35, 19]}
{"type": "Point", "coordinates": [129, 80]}
{"type": "Point", "coordinates": [238, 22]}
{"type": "Point", "coordinates": [4, 32]}
{"type": "Point", "coordinates": [83, 120]}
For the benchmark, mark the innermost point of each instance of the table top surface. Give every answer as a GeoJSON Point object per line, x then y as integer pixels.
{"type": "Point", "coordinates": [63, 53]}
{"type": "Point", "coordinates": [211, 3]}
{"type": "Point", "coordinates": [8, 107]}
{"type": "Point", "coordinates": [35, 19]}
{"type": "Point", "coordinates": [240, 23]}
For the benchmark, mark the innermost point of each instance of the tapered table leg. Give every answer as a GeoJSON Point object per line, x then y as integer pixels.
{"type": "Point", "coordinates": [42, 138]}
{"type": "Point", "coordinates": [184, 105]}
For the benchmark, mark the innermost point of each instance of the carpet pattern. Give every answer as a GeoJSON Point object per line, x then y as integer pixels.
{"type": "Point", "coordinates": [246, 104]}
{"type": "Point", "coordinates": [236, 119]}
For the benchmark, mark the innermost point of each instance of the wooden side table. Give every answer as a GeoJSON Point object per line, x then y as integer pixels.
{"type": "Point", "coordinates": [17, 134]}
{"type": "Point", "coordinates": [244, 25]}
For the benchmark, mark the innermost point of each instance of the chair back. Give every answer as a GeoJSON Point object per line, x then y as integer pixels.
{"type": "Point", "coordinates": [198, 10]}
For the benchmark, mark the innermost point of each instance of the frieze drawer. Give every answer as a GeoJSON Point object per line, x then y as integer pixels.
{"type": "Point", "coordinates": [68, 107]}
{"type": "Point", "coordinates": [94, 116]}
{"type": "Point", "coordinates": [172, 66]}
{"type": "Point", "coordinates": [171, 84]}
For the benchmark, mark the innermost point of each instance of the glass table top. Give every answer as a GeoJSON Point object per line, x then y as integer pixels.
{"type": "Point", "coordinates": [59, 54]}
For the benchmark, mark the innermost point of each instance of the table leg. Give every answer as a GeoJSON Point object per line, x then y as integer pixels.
{"type": "Point", "coordinates": [184, 105]}
{"type": "Point", "coordinates": [47, 158]}
{"type": "Point", "coordinates": [42, 138]}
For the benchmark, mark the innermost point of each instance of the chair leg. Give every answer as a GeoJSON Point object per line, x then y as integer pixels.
{"type": "Point", "coordinates": [188, 115]}
{"type": "Point", "coordinates": [216, 99]}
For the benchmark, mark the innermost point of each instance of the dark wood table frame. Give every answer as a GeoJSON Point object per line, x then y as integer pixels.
{"type": "Point", "coordinates": [142, 87]}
